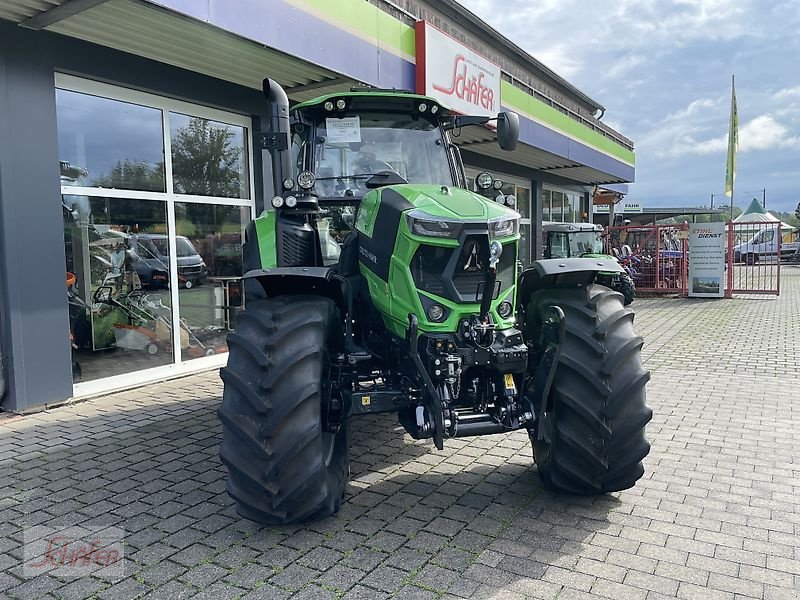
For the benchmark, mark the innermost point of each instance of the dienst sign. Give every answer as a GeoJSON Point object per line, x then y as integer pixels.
{"type": "Point", "coordinates": [456, 76]}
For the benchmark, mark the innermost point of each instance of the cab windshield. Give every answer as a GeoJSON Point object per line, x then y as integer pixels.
{"type": "Point", "coordinates": [347, 152]}
{"type": "Point", "coordinates": [585, 242]}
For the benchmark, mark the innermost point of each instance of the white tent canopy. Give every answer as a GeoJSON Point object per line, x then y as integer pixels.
{"type": "Point", "coordinates": [756, 213]}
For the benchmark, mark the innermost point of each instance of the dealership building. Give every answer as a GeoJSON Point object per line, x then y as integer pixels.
{"type": "Point", "coordinates": [130, 164]}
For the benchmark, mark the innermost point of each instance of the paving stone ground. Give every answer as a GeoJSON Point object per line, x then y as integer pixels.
{"type": "Point", "coordinates": [715, 516]}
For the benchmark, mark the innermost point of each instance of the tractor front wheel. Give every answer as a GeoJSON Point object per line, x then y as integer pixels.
{"type": "Point", "coordinates": [287, 458]}
{"type": "Point", "coordinates": [592, 434]}
{"type": "Point", "coordinates": [627, 288]}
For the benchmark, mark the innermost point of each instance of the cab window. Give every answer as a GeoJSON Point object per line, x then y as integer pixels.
{"type": "Point", "coordinates": [559, 245]}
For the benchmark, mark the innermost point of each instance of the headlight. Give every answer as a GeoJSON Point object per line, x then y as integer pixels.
{"type": "Point", "coordinates": [340, 104]}
{"type": "Point", "coordinates": [306, 180]}
{"type": "Point", "coordinates": [328, 105]}
{"type": "Point", "coordinates": [277, 202]}
{"type": "Point", "coordinates": [503, 227]}
{"type": "Point", "coordinates": [484, 180]}
{"type": "Point", "coordinates": [498, 184]}
{"type": "Point", "coordinates": [505, 310]}
{"type": "Point", "coordinates": [421, 223]}
{"type": "Point", "coordinates": [288, 183]}
{"type": "Point", "coordinates": [436, 313]}
{"type": "Point", "coordinates": [291, 201]}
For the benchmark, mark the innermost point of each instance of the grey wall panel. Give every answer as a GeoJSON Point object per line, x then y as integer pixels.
{"type": "Point", "coordinates": [31, 239]}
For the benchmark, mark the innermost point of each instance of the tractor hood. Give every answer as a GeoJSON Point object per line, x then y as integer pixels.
{"type": "Point", "coordinates": [453, 203]}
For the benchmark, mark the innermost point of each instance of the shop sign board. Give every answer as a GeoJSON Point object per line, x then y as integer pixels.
{"type": "Point", "coordinates": [706, 260]}
{"type": "Point", "coordinates": [458, 77]}
{"type": "Point", "coordinates": [621, 208]}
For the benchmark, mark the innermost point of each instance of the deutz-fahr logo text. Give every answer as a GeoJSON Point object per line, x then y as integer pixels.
{"type": "Point", "coordinates": [468, 85]}
{"type": "Point", "coordinates": [368, 255]}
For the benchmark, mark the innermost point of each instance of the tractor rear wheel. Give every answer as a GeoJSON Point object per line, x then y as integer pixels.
{"type": "Point", "coordinates": [593, 422]}
{"type": "Point", "coordinates": [287, 457]}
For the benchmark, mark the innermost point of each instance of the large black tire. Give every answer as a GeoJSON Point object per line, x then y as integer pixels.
{"type": "Point", "coordinates": [595, 415]}
{"type": "Point", "coordinates": [283, 467]}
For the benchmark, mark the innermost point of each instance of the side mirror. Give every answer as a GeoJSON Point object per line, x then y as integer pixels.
{"type": "Point", "coordinates": [507, 130]}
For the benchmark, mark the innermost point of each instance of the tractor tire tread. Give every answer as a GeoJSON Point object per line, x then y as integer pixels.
{"type": "Point", "coordinates": [598, 436]}
{"type": "Point", "coordinates": [280, 470]}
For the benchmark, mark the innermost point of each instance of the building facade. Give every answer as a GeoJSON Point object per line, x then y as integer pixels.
{"type": "Point", "coordinates": [128, 169]}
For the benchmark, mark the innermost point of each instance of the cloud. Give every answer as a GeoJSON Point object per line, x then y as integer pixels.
{"type": "Point", "coordinates": [765, 133]}
{"type": "Point", "coordinates": [787, 93]}
{"type": "Point", "coordinates": [662, 70]}
{"type": "Point", "coordinates": [762, 133]}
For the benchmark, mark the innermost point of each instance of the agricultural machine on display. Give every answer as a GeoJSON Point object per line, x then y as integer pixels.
{"type": "Point", "coordinates": [585, 240]}
{"type": "Point", "coordinates": [378, 283]}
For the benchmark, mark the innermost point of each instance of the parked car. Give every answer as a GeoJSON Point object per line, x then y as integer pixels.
{"type": "Point", "coordinates": [149, 254]}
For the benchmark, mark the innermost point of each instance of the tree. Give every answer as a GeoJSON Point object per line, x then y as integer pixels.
{"type": "Point", "coordinates": [204, 160]}
{"type": "Point", "coordinates": [133, 175]}
{"type": "Point", "coordinates": [797, 212]}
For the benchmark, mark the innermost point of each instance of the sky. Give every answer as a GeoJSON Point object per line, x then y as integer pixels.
{"type": "Point", "coordinates": [662, 69]}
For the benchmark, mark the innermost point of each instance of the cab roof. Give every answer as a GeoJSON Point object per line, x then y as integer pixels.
{"type": "Point", "coordinates": [569, 227]}
{"type": "Point", "coordinates": [375, 99]}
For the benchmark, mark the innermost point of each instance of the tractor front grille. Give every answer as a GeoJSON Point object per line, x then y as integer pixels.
{"type": "Point", "coordinates": [458, 273]}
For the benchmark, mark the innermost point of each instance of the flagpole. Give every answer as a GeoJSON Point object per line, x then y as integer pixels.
{"type": "Point", "coordinates": [733, 88]}
{"type": "Point", "coordinates": [733, 145]}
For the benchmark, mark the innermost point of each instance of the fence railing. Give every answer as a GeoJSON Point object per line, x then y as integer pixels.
{"type": "Point", "coordinates": [657, 257]}
{"type": "Point", "coordinates": [754, 258]}
{"type": "Point", "coordinates": [653, 255]}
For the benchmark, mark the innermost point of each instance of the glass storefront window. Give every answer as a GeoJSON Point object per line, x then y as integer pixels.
{"type": "Point", "coordinates": [108, 143]}
{"type": "Point", "coordinates": [119, 304]}
{"type": "Point", "coordinates": [209, 158]}
{"type": "Point", "coordinates": [209, 255]}
{"type": "Point", "coordinates": [127, 265]}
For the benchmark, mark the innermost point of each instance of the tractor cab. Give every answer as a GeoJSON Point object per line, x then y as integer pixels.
{"type": "Point", "coordinates": [572, 240]}
{"type": "Point", "coordinates": [342, 146]}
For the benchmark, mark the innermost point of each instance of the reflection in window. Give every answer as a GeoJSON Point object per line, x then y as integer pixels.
{"type": "Point", "coordinates": [208, 157]}
{"type": "Point", "coordinates": [119, 305]}
{"type": "Point", "coordinates": [108, 143]}
{"type": "Point", "coordinates": [209, 255]}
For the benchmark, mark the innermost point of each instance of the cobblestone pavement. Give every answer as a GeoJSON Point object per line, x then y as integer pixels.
{"type": "Point", "coordinates": [716, 515]}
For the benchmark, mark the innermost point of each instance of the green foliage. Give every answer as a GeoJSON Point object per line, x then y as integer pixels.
{"type": "Point", "coordinates": [133, 175]}
{"type": "Point", "coordinates": [204, 160]}
{"type": "Point", "coordinates": [790, 218]}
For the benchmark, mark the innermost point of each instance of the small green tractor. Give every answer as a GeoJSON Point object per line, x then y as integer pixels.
{"type": "Point", "coordinates": [585, 240]}
{"type": "Point", "coordinates": [378, 283]}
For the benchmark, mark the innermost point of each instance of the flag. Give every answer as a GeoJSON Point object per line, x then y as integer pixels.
{"type": "Point", "coordinates": [733, 143]}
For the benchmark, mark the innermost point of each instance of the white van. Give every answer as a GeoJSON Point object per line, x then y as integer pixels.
{"type": "Point", "coordinates": [764, 245]}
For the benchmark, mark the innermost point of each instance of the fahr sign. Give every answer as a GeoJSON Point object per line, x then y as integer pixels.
{"type": "Point", "coordinates": [622, 207]}
{"type": "Point", "coordinates": [456, 76]}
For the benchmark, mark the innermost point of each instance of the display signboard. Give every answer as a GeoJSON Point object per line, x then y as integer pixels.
{"type": "Point", "coordinates": [706, 260]}
{"type": "Point", "coordinates": [458, 77]}
{"type": "Point", "coordinates": [621, 208]}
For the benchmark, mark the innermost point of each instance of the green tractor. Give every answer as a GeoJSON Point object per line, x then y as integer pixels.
{"type": "Point", "coordinates": [585, 240]}
{"type": "Point", "coordinates": [379, 283]}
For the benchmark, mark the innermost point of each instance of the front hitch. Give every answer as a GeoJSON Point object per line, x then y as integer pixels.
{"type": "Point", "coordinates": [436, 400]}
